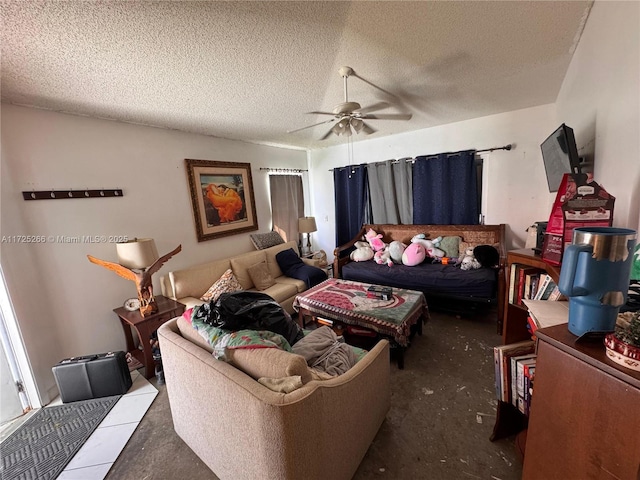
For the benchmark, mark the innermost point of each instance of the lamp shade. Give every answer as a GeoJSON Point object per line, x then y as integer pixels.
{"type": "Point", "coordinates": [307, 224]}
{"type": "Point", "coordinates": [138, 253]}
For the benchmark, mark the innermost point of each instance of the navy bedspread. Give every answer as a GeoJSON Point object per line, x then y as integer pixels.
{"type": "Point", "coordinates": [431, 279]}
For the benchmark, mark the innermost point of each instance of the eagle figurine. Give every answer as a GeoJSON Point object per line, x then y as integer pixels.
{"type": "Point", "coordinates": [142, 279]}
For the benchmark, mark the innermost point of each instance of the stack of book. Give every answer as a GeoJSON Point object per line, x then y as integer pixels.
{"type": "Point", "coordinates": [514, 370]}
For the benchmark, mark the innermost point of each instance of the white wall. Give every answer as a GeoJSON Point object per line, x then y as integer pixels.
{"type": "Point", "coordinates": [63, 302]}
{"type": "Point", "coordinates": [515, 188]}
{"type": "Point", "coordinates": [600, 100]}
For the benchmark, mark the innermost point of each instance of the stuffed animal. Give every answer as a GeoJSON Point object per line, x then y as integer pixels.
{"type": "Point", "coordinates": [362, 253]}
{"type": "Point", "coordinates": [468, 261]}
{"type": "Point", "coordinates": [396, 249]}
{"type": "Point", "coordinates": [429, 245]}
{"type": "Point", "coordinates": [375, 240]}
{"type": "Point", "coordinates": [414, 255]}
{"type": "Point", "coordinates": [383, 256]}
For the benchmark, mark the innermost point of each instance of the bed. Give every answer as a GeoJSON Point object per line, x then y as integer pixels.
{"type": "Point", "coordinates": [446, 287]}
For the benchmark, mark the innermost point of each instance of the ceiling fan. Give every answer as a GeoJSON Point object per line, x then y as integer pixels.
{"type": "Point", "coordinates": [350, 115]}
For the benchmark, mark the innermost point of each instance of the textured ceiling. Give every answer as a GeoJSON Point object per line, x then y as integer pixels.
{"type": "Point", "coordinates": [250, 70]}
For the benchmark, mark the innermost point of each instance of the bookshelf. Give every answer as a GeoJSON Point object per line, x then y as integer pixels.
{"type": "Point", "coordinates": [509, 420]}
{"type": "Point", "coordinates": [514, 325]}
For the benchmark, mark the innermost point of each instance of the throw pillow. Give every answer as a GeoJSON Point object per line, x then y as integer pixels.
{"type": "Point", "coordinates": [260, 276]}
{"type": "Point", "coordinates": [225, 284]}
{"type": "Point", "coordinates": [288, 259]}
{"type": "Point", "coordinates": [265, 240]}
{"type": "Point", "coordinates": [293, 266]}
{"type": "Point", "coordinates": [450, 246]}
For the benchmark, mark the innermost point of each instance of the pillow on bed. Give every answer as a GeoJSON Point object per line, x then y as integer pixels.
{"type": "Point", "coordinates": [450, 246]}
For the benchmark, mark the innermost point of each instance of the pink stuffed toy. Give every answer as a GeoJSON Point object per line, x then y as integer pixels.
{"type": "Point", "coordinates": [414, 255]}
{"type": "Point", "coordinates": [429, 245]}
{"type": "Point", "coordinates": [375, 240]}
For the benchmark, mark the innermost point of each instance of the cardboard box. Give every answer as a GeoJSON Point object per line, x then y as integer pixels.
{"type": "Point", "coordinates": [552, 248]}
{"type": "Point", "coordinates": [575, 206]}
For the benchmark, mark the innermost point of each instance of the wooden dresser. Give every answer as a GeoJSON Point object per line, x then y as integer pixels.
{"type": "Point", "coordinates": [585, 413]}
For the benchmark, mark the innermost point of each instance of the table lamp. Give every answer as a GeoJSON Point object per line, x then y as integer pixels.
{"type": "Point", "coordinates": [138, 261]}
{"type": "Point", "coordinates": [307, 225]}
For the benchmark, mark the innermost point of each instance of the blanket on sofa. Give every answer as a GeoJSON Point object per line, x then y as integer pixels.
{"type": "Point", "coordinates": [429, 278]}
{"type": "Point", "coordinates": [220, 340]}
{"type": "Point", "coordinates": [322, 351]}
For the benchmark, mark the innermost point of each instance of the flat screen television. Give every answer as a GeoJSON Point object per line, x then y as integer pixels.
{"type": "Point", "coordinates": [560, 156]}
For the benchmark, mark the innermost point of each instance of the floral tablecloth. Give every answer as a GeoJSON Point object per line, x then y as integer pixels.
{"type": "Point", "coordinates": [347, 302]}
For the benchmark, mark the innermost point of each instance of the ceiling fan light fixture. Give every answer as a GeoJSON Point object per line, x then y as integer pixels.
{"type": "Point", "coordinates": [357, 124]}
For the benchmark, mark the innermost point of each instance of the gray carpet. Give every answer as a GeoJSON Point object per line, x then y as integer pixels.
{"type": "Point", "coordinates": [44, 444]}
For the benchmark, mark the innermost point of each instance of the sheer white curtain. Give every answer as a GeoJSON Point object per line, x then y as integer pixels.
{"type": "Point", "coordinates": [391, 191]}
{"type": "Point", "coordinates": [287, 205]}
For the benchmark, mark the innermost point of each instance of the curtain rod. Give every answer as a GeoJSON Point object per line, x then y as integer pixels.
{"type": "Point", "coordinates": [284, 170]}
{"type": "Point", "coordinates": [506, 147]}
{"type": "Point", "coordinates": [410, 159]}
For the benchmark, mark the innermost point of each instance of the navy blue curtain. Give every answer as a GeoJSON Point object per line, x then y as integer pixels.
{"type": "Point", "coordinates": [351, 201]}
{"type": "Point", "coordinates": [445, 191]}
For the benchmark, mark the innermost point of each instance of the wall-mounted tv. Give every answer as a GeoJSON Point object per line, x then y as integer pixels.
{"type": "Point", "coordinates": [560, 156]}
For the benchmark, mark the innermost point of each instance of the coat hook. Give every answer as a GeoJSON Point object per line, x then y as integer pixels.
{"type": "Point", "coordinates": [86, 192]}
{"type": "Point", "coordinates": [53, 195]}
{"type": "Point", "coordinates": [33, 195]}
{"type": "Point", "coordinates": [101, 193]}
{"type": "Point", "coordinates": [70, 193]}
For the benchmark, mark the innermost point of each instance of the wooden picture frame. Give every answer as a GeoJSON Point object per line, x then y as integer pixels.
{"type": "Point", "coordinates": [222, 198]}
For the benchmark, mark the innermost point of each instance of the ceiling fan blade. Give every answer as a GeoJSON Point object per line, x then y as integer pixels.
{"type": "Point", "coordinates": [368, 129]}
{"type": "Point", "coordinates": [373, 108]}
{"type": "Point", "coordinates": [328, 134]}
{"type": "Point", "coordinates": [354, 74]}
{"type": "Point", "coordinates": [388, 116]}
{"type": "Point", "coordinates": [309, 126]}
{"type": "Point", "coordinates": [322, 113]}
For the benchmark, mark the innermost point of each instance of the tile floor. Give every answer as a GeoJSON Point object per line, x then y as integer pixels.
{"type": "Point", "coordinates": [100, 451]}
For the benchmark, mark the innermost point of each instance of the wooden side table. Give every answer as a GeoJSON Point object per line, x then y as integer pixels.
{"type": "Point", "coordinates": [145, 326]}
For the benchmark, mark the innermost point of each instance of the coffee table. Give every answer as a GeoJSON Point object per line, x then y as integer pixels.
{"type": "Point", "coordinates": [346, 302]}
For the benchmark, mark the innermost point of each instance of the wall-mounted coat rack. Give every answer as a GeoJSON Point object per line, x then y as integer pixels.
{"type": "Point", "coordinates": [61, 194]}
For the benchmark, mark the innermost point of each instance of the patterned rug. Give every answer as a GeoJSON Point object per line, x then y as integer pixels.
{"type": "Point", "coordinates": [44, 444]}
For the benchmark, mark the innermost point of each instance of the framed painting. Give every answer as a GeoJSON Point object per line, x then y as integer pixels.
{"type": "Point", "coordinates": [222, 198]}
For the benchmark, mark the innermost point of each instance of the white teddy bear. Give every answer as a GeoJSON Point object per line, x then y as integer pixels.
{"type": "Point", "coordinates": [468, 261]}
{"type": "Point", "coordinates": [362, 253]}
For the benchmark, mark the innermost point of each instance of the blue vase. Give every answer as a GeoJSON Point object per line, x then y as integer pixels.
{"type": "Point", "coordinates": [595, 277]}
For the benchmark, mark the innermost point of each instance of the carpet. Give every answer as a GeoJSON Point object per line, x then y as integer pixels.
{"type": "Point", "coordinates": [44, 444]}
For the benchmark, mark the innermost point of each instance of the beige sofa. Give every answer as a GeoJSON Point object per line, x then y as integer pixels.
{"type": "Point", "coordinates": [188, 285]}
{"type": "Point", "coordinates": [243, 430]}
